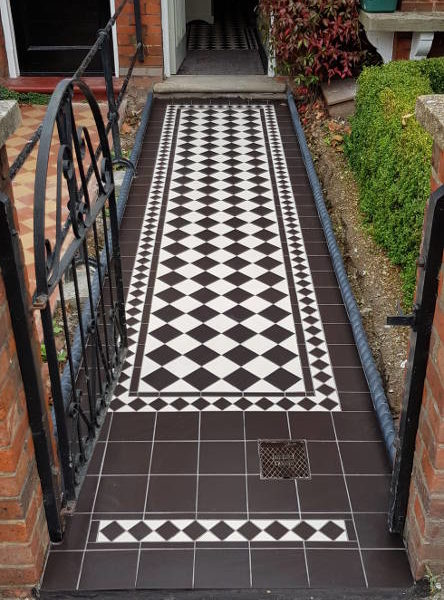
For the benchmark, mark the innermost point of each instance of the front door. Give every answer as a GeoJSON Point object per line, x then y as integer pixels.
{"type": "Point", "coordinates": [177, 26]}
{"type": "Point", "coordinates": [53, 36]}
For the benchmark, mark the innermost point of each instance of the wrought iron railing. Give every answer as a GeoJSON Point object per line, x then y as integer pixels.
{"type": "Point", "coordinates": [79, 288]}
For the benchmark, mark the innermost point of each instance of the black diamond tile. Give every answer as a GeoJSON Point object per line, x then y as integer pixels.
{"type": "Point", "coordinates": [282, 379]}
{"type": "Point", "coordinates": [160, 379]}
{"type": "Point", "coordinates": [202, 333]}
{"type": "Point", "coordinates": [201, 378]}
{"type": "Point", "coordinates": [241, 379]}
{"type": "Point", "coordinates": [163, 355]}
{"type": "Point", "coordinates": [239, 333]}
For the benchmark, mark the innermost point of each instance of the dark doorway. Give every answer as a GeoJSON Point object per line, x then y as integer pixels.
{"type": "Point", "coordinates": [53, 36]}
{"type": "Point", "coordinates": [228, 45]}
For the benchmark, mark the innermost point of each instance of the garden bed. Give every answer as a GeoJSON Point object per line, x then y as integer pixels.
{"type": "Point", "coordinates": [375, 281]}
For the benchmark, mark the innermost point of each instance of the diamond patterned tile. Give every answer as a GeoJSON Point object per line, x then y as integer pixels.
{"type": "Point", "coordinates": [223, 309]}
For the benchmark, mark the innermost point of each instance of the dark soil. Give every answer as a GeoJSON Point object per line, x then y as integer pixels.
{"type": "Point", "coordinates": [375, 281]}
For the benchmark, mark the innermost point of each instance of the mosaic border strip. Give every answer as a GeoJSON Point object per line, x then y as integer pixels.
{"type": "Point", "coordinates": [222, 530]}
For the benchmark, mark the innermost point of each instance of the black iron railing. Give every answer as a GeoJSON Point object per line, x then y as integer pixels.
{"type": "Point", "coordinates": [79, 289]}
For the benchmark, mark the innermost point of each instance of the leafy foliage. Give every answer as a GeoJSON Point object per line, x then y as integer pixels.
{"type": "Point", "coordinates": [390, 154]}
{"type": "Point", "coordinates": [24, 97]}
{"type": "Point", "coordinates": [314, 40]}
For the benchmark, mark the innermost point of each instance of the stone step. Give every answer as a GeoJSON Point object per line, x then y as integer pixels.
{"type": "Point", "coordinates": [339, 95]}
{"type": "Point", "coordinates": [236, 85]}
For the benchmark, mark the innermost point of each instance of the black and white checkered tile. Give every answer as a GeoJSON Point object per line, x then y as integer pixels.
{"type": "Point", "coordinates": [221, 530]}
{"type": "Point", "coordinates": [222, 266]}
{"type": "Point", "coordinates": [225, 35]}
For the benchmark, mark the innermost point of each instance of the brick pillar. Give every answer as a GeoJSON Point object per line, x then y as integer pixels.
{"type": "Point", "coordinates": [424, 530]}
{"type": "Point", "coordinates": [150, 12]}
{"type": "Point", "coordinates": [24, 536]}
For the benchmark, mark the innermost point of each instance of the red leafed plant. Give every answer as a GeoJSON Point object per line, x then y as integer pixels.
{"type": "Point", "coordinates": [313, 40]}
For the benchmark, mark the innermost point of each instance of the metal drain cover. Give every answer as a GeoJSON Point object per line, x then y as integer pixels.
{"type": "Point", "coordinates": [284, 459]}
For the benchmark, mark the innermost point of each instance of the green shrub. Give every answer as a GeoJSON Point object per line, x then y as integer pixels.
{"type": "Point", "coordinates": [390, 154]}
{"type": "Point", "coordinates": [24, 97]}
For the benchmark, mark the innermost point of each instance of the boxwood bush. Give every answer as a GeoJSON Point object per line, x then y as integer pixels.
{"type": "Point", "coordinates": [390, 154]}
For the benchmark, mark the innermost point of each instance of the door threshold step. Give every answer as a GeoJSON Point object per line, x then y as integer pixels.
{"type": "Point", "coordinates": [47, 84]}
{"type": "Point", "coordinates": [216, 85]}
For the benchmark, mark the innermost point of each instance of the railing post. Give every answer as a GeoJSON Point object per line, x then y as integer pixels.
{"type": "Point", "coordinates": [113, 114]}
{"type": "Point", "coordinates": [138, 21]}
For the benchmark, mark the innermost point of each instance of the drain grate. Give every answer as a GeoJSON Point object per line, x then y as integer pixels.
{"type": "Point", "coordinates": [281, 459]}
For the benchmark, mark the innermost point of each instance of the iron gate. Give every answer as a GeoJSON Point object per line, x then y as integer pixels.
{"type": "Point", "coordinates": [82, 254]}
{"type": "Point", "coordinates": [79, 289]}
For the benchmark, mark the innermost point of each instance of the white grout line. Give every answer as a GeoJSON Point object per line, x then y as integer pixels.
{"type": "Point", "coordinates": [197, 496]}
{"type": "Point", "coordinates": [351, 506]}
{"type": "Point", "coordinates": [246, 495]}
{"type": "Point", "coordinates": [299, 506]}
{"type": "Point", "coordinates": [146, 497]}
{"type": "Point", "coordinates": [94, 502]}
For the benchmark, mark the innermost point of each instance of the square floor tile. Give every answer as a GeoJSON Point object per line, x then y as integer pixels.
{"type": "Point", "coordinates": [387, 568]}
{"type": "Point", "coordinates": [95, 464]}
{"type": "Point", "coordinates": [76, 530]}
{"type": "Point", "coordinates": [62, 571]}
{"type": "Point", "coordinates": [335, 567]}
{"type": "Point", "coordinates": [324, 458]}
{"type": "Point", "coordinates": [222, 426]}
{"type": "Point", "coordinates": [253, 465]}
{"type": "Point", "coordinates": [109, 570]}
{"type": "Point", "coordinates": [132, 427]}
{"type": "Point", "coordinates": [361, 427]}
{"type": "Point", "coordinates": [125, 458]}
{"type": "Point", "coordinates": [373, 532]}
{"type": "Point", "coordinates": [222, 569]}
{"type": "Point", "coordinates": [172, 426]}
{"type": "Point", "coordinates": [356, 401]}
{"type": "Point", "coordinates": [365, 458]}
{"type": "Point", "coordinates": [278, 568]}
{"type": "Point", "coordinates": [87, 493]}
{"type": "Point", "coordinates": [350, 379]}
{"type": "Point", "coordinates": [172, 494]}
{"type": "Point", "coordinates": [174, 458]}
{"type": "Point", "coordinates": [222, 493]}
{"type": "Point", "coordinates": [121, 494]}
{"type": "Point", "coordinates": [166, 569]}
{"type": "Point", "coordinates": [221, 458]}
{"type": "Point", "coordinates": [311, 426]}
{"type": "Point", "coordinates": [323, 494]}
{"type": "Point", "coordinates": [369, 493]}
{"type": "Point", "coordinates": [271, 495]}
{"type": "Point", "coordinates": [266, 425]}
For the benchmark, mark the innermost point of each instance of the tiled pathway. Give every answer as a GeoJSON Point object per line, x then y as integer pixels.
{"type": "Point", "coordinates": [237, 334]}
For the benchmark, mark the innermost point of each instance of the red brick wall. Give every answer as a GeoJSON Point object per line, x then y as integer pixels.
{"type": "Point", "coordinates": [151, 33]}
{"type": "Point", "coordinates": [421, 5]}
{"type": "Point", "coordinates": [425, 519]}
{"type": "Point", "coordinates": [24, 536]}
{"type": "Point", "coordinates": [23, 532]}
{"type": "Point", "coordinates": [4, 71]}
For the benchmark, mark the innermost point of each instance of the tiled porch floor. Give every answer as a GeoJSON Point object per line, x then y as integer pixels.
{"type": "Point", "coordinates": [237, 334]}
